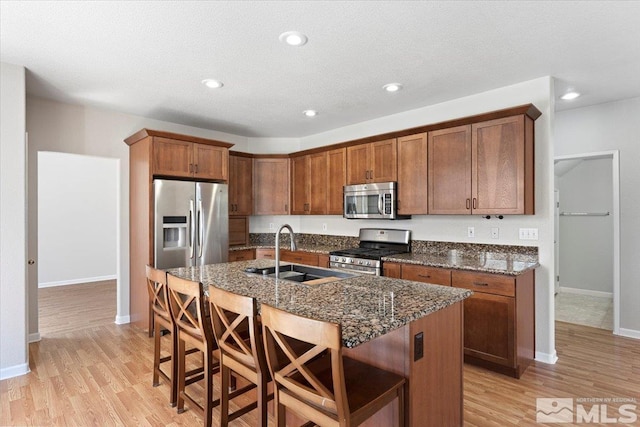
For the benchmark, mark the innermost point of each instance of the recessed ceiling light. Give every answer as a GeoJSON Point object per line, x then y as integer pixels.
{"type": "Point", "coordinates": [310, 113]}
{"type": "Point", "coordinates": [392, 87]}
{"type": "Point", "coordinates": [293, 38]}
{"type": "Point", "coordinates": [570, 95]}
{"type": "Point", "coordinates": [212, 83]}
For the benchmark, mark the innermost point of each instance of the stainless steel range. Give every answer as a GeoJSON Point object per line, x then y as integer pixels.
{"type": "Point", "coordinates": [375, 243]}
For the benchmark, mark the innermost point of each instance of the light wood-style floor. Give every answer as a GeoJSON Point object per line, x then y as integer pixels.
{"type": "Point", "coordinates": [98, 373]}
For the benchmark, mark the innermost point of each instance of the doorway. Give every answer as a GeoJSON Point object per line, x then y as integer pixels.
{"type": "Point", "coordinates": [77, 219]}
{"type": "Point", "coordinates": [587, 236]}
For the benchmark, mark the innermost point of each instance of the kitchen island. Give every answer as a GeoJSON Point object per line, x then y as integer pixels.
{"type": "Point", "coordinates": [409, 328]}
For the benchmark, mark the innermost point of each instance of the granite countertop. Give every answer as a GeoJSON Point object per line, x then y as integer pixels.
{"type": "Point", "coordinates": [366, 306]}
{"type": "Point", "coordinates": [318, 249]}
{"type": "Point", "coordinates": [485, 262]}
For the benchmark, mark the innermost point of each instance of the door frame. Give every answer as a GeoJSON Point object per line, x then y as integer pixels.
{"type": "Point", "coordinates": [614, 155]}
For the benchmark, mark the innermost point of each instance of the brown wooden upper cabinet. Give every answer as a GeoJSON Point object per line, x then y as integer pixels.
{"type": "Point", "coordinates": [485, 168]}
{"type": "Point", "coordinates": [373, 162]}
{"type": "Point", "coordinates": [316, 183]}
{"type": "Point", "coordinates": [271, 186]}
{"type": "Point", "coordinates": [412, 175]}
{"type": "Point", "coordinates": [178, 158]}
{"type": "Point", "coordinates": [240, 185]}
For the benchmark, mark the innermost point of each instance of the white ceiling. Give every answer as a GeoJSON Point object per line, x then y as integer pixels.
{"type": "Point", "coordinates": [148, 58]}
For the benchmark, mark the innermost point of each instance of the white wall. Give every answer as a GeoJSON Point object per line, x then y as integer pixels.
{"type": "Point", "coordinates": [454, 228]}
{"type": "Point", "coordinates": [613, 126]}
{"type": "Point", "coordinates": [14, 354]}
{"type": "Point", "coordinates": [66, 128]}
{"type": "Point", "coordinates": [586, 242]}
{"type": "Point", "coordinates": [77, 211]}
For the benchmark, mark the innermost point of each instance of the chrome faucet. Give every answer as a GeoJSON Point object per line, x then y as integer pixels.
{"type": "Point", "coordinates": [293, 245]}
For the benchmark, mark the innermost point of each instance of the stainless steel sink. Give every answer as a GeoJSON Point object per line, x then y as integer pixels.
{"type": "Point", "coordinates": [301, 273]}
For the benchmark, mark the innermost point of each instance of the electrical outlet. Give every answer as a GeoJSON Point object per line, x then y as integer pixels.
{"type": "Point", "coordinates": [495, 232]}
{"type": "Point", "coordinates": [271, 226]}
{"type": "Point", "coordinates": [418, 346]}
{"type": "Point", "coordinates": [471, 232]}
{"type": "Point", "coordinates": [528, 233]}
{"type": "Point", "coordinates": [324, 227]}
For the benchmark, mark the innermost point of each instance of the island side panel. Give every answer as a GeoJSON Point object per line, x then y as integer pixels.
{"type": "Point", "coordinates": [436, 389]}
{"type": "Point", "coordinates": [434, 393]}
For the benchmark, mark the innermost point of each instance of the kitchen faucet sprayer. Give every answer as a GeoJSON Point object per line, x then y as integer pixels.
{"type": "Point", "coordinates": [294, 246]}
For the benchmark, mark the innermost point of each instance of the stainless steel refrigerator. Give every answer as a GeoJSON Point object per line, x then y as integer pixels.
{"type": "Point", "coordinates": [191, 223]}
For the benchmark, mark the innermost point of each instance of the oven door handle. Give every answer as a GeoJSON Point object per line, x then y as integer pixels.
{"type": "Point", "coordinates": [381, 204]}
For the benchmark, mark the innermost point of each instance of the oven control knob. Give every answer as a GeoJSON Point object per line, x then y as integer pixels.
{"type": "Point", "coordinates": [368, 262]}
{"type": "Point", "coordinates": [343, 260]}
{"type": "Point", "coordinates": [351, 261]}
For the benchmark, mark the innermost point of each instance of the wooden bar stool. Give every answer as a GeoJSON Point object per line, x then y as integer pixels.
{"type": "Point", "coordinates": [331, 390]}
{"type": "Point", "coordinates": [193, 327]}
{"type": "Point", "coordinates": [161, 317]}
{"type": "Point", "coordinates": [239, 335]}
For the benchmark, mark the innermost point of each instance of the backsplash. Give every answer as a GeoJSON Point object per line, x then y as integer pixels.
{"type": "Point", "coordinates": [417, 246]}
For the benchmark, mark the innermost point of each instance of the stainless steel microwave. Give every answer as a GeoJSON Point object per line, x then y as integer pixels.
{"type": "Point", "coordinates": [372, 201]}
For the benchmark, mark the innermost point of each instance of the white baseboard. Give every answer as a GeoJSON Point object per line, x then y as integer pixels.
{"type": "Point", "coordinates": [76, 281]}
{"type": "Point", "coordinates": [122, 320]}
{"type": "Point", "coordinates": [547, 358]}
{"type": "Point", "coordinates": [599, 294]}
{"type": "Point", "coordinates": [35, 337]}
{"type": "Point", "coordinates": [629, 333]}
{"type": "Point", "coordinates": [14, 371]}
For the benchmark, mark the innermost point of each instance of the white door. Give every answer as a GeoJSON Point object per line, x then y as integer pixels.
{"type": "Point", "coordinates": [556, 239]}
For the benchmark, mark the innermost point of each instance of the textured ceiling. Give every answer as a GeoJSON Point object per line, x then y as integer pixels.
{"type": "Point", "coordinates": [148, 58]}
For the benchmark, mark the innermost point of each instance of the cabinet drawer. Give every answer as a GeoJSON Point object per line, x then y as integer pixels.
{"type": "Point", "coordinates": [300, 257]}
{"type": "Point", "coordinates": [420, 273]}
{"type": "Point", "coordinates": [496, 284]}
{"type": "Point", "coordinates": [264, 253]}
{"type": "Point", "coordinates": [243, 255]}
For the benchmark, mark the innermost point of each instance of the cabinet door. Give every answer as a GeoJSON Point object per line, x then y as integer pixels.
{"type": "Point", "coordinates": [243, 255]}
{"type": "Point", "coordinates": [392, 269]}
{"type": "Point", "coordinates": [172, 157]}
{"type": "Point", "coordinates": [300, 185]}
{"type": "Point", "coordinates": [210, 162]}
{"type": "Point", "coordinates": [412, 174]}
{"type": "Point", "coordinates": [271, 186]}
{"type": "Point", "coordinates": [299, 257]}
{"type": "Point", "coordinates": [449, 160]}
{"type": "Point", "coordinates": [317, 201]}
{"type": "Point", "coordinates": [265, 253]}
{"type": "Point", "coordinates": [358, 161]}
{"type": "Point", "coordinates": [336, 180]}
{"type": "Point", "coordinates": [421, 273]}
{"type": "Point", "coordinates": [238, 231]}
{"type": "Point", "coordinates": [489, 333]}
{"type": "Point", "coordinates": [498, 168]}
{"type": "Point", "coordinates": [240, 185]}
{"type": "Point", "coordinates": [323, 261]}
{"type": "Point", "coordinates": [384, 161]}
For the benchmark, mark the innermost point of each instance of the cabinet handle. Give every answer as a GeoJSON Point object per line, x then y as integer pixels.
{"type": "Point", "coordinates": [190, 167]}
{"type": "Point", "coordinates": [426, 276]}
{"type": "Point", "coordinates": [286, 207]}
{"type": "Point", "coordinates": [370, 174]}
{"type": "Point", "coordinates": [468, 203]}
{"type": "Point", "coordinates": [474, 203]}
{"type": "Point", "coordinates": [480, 284]}
{"type": "Point", "coordinates": [195, 168]}
{"type": "Point", "coordinates": [366, 174]}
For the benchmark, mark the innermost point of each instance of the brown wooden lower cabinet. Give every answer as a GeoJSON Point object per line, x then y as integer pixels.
{"type": "Point", "coordinates": [299, 257]}
{"type": "Point", "coordinates": [238, 231]}
{"type": "Point", "coordinates": [392, 269]}
{"type": "Point", "coordinates": [242, 255]}
{"type": "Point", "coordinates": [499, 320]}
{"type": "Point", "coordinates": [323, 261]}
{"type": "Point", "coordinates": [421, 273]}
{"type": "Point", "coordinates": [265, 253]}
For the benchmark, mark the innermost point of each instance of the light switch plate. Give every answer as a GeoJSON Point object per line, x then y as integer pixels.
{"type": "Point", "coordinates": [495, 232]}
{"type": "Point", "coordinates": [471, 232]}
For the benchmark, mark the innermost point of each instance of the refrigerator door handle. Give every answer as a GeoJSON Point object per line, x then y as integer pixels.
{"type": "Point", "coordinates": [200, 228]}
{"type": "Point", "coordinates": [192, 234]}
